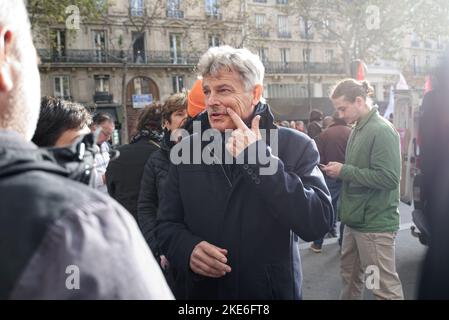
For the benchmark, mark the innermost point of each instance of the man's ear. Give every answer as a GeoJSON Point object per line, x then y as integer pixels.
{"type": "Point", "coordinates": [257, 94]}
{"type": "Point", "coordinates": [360, 102]}
{"type": "Point", "coordinates": [5, 65]}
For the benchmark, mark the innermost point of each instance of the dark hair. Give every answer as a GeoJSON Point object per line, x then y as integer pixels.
{"type": "Point", "coordinates": [150, 118]}
{"type": "Point", "coordinates": [56, 117]}
{"type": "Point", "coordinates": [101, 117]}
{"type": "Point", "coordinates": [337, 120]}
{"type": "Point", "coordinates": [350, 89]}
{"type": "Point", "coordinates": [316, 115]}
{"type": "Point", "coordinates": [174, 103]}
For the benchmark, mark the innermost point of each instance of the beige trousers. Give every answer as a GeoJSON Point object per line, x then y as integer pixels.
{"type": "Point", "coordinates": [371, 255]}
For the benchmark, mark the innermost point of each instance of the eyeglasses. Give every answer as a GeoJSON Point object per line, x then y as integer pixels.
{"type": "Point", "coordinates": [106, 133]}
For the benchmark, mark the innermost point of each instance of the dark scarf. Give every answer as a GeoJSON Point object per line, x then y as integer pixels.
{"type": "Point", "coordinates": [154, 135]}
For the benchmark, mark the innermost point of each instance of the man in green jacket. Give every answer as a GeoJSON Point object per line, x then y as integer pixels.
{"type": "Point", "coordinates": [370, 195]}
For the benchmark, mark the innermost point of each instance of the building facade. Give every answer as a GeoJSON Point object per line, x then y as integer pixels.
{"type": "Point", "coordinates": [140, 51]}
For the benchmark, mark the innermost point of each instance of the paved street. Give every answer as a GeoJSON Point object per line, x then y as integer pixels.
{"type": "Point", "coordinates": [322, 271]}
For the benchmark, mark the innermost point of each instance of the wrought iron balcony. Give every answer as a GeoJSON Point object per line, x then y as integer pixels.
{"type": "Point", "coordinates": [137, 11]}
{"type": "Point", "coordinates": [177, 14]}
{"type": "Point", "coordinates": [284, 34]}
{"type": "Point", "coordinates": [214, 15]}
{"type": "Point", "coordinates": [118, 57]}
{"type": "Point", "coordinates": [103, 97]}
{"type": "Point", "coordinates": [262, 33]}
{"type": "Point", "coordinates": [302, 68]}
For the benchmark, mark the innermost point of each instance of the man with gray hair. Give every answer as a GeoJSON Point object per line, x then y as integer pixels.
{"type": "Point", "coordinates": [231, 228]}
{"type": "Point", "coordinates": [59, 239]}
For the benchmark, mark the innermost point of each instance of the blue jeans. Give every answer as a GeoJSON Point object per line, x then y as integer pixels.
{"type": "Point", "coordinates": [334, 186]}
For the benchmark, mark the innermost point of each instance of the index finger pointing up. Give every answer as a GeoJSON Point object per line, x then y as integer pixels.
{"type": "Point", "coordinates": [236, 119]}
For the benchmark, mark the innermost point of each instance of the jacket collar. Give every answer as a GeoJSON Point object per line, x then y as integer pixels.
{"type": "Point", "coordinates": [362, 122]}
{"type": "Point", "coordinates": [14, 148]}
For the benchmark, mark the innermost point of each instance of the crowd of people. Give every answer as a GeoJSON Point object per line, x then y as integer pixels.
{"type": "Point", "coordinates": [223, 223]}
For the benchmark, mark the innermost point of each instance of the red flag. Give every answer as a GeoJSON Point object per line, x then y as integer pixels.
{"type": "Point", "coordinates": [361, 72]}
{"type": "Point", "coordinates": [427, 85]}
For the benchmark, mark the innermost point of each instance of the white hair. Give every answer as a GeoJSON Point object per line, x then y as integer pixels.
{"type": "Point", "coordinates": [20, 111]}
{"type": "Point", "coordinates": [242, 61]}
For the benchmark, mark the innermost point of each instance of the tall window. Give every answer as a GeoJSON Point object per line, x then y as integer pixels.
{"type": "Point", "coordinates": [415, 64]}
{"type": "Point", "coordinates": [329, 28]}
{"type": "Point", "coordinates": [62, 87]}
{"type": "Point", "coordinates": [260, 20]}
{"type": "Point", "coordinates": [212, 8]}
{"type": "Point", "coordinates": [263, 53]}
{"type": "Point", "coordinates": [136, 7]}
{"type": "Point", "coordinates": [139, 47]}
{"type": "Point", "coordinates": [99, 45]}
{"type": "Point", "coordinates": [283, 31]}
{"type": "Point", "coordinates": [285, 55]}
{"type": "Point", "coordinates": [307, 55]}
{"type": "Point", "coordinates": [178, 83]}
{"type": "Point", "coordinates": [306, 28]}
{"type": "Point", "coordinates": [282, 1]}
{"type": "Point", "coordinates": [415, 40]}
{"type": "Point", "coordinates": [101, 83]}
{"type": "Point", "coordinates": [57, 43]}
{"type": "Point", "coordinates": [329, 55]}
{"type": "Point", "coordinates": [261, 26]}
{"type": "Point", "coordinates": [214, 41]}
{"type": "Point", "coordinates": [327, 89]}
{"type": "Point", "coordinates": [174, 9]}
{"type": "Point", "coordinates": [175, 47]}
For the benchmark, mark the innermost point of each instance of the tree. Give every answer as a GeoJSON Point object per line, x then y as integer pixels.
{"type": "Point", "coordinates": [429, 18]}
{"type": "Point", "coordinates": [53, 12]}
{"type": "Point", "coordinates": [362, 29]}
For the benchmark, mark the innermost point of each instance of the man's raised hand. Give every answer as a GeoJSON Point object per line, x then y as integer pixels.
{"type": "Point", "coordinates": [242, 136]}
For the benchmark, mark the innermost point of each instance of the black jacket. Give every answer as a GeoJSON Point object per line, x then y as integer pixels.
{"type": "Point", "coordinates": [153, 179]}
{"type": "Point", "coordinates": [314, 129]}
{"type": "Point", "coordinates": [124, 174]}
{"type": "Point", "coordinates": [251, 215]}
{"type": "Point", "coordinates": [53, 229]}
{"type": "Point", "coordinates": [434, 133]}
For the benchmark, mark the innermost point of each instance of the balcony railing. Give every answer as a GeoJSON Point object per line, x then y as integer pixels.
{"type": "Point", "coordinates": [118, 56]}
{"type": "Point", "coordinates": [137, 11]}
{"type": "Point", "coordinates": [284, 34]}
{"type": "Point", "coordinates": [262, 33]}
{"type": "Point", "coordinates": [301, 68]}
{"type": "Point", "coordinates": [103, 97]}
{"type": "Point", "coordinates": [214, 15]}
{"type": "Point", "coordinates": [177, 14]}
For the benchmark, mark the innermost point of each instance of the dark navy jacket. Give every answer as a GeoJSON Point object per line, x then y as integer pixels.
{"type": "Point", "coordinates": [251, 215]}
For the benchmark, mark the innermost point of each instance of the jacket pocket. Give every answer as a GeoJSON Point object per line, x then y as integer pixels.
{"type": "Point", "coordinates": [353, 209]}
